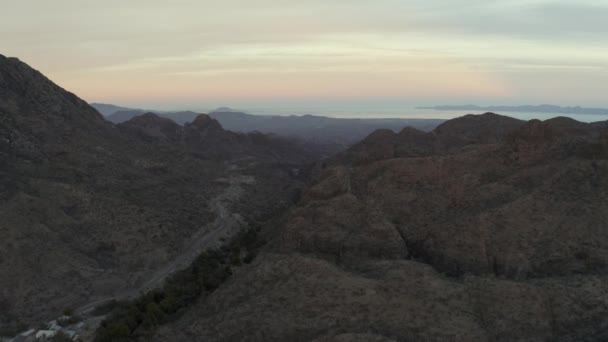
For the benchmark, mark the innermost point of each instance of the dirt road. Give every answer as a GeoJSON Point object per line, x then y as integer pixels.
{"type": "Point", "coordinates": [209, 236]}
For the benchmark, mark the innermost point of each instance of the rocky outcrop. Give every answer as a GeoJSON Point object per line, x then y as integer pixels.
{"type": "Point", "coordinates": [470, 233]}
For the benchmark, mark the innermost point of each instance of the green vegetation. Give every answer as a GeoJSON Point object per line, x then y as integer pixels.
{"type": "Point", "coordinates": [105, 308]}
{"type": "Point", "coordinates": [131, 320]}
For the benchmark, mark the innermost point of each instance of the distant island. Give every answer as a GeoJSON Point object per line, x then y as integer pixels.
{"type": "Point", "coordinates": [545, 108]}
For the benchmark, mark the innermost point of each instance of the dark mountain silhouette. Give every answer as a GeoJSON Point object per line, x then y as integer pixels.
{"type": "Point", "coordinates": [316, 129]}
{"type": "Point", "coordinates": [485, 229]}
{"type": "Point", "coordinates": [124, 115]}
{"type": "Point", "coordinates": [449, 137]}
{"type": "Point", "coordinates": [224, 110]}
{"type": "Point", "coordinates": [206, 138]}
{"type": "Point", "coordinates": [109, 109]}
{"type": "Point", "coordinates": [320, 129]}
{"type": "Point", "coordinates": [90, 210]}
{"type": "Point", "coordinates": [178, 117]}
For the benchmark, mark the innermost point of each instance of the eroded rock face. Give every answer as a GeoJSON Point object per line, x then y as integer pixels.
{"type": "Point", "coordinates": [471, 233]}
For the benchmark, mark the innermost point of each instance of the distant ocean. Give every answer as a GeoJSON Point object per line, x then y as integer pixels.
{"type": "Point", "coordinates": [390, 111]}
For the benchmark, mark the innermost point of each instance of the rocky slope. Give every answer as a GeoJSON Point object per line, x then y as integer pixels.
{"type": "Point", "coordinates": [486, 229]}
{"type": "Point", "coordinates": [90, 210]}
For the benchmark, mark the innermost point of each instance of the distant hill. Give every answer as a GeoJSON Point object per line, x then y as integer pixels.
{"type": "Point", "coordinates": [450, 136]}
{"type": "Point", "coordinates": [224, 109]}
{"type": "Point", "coordinates": [205, 138]}
{"type": "Point", "coordinates": [123, 115]}
{"type": "Point", "coordinates": [126, 115]}
{"type": "Point", "coordinates": [310, 128]}
{"type": "Point", "coordinates": [319, 129]}
{"type": "Point", "coordinates": [109, 109]}
{"type": "Point", "coordinates": [545, 108]}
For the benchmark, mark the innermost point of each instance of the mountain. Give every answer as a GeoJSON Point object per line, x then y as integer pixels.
{"type": "Point", "coordinates": [117, 114]}
{"type": "Point", "coordinates": [123, 115]}
{"type": "Point", "coordinates": [485, 229]}
{"type": "Point", "coordinates": [205, 138]}
{"type": "Point", "coordinates": [449, 137]}
{"type": "Point", "coordinates": [109, 109]}
{"type": "Point", "coordinates": [314, 129]}
{"type": "Point", "coordinates": [319, 129]}
{"type": "Point", "coordinates": [91, 211]}
{"type": "Point", "coordinates": [126, 115]}
{"type": "Point", "coordinates": [545, 108]}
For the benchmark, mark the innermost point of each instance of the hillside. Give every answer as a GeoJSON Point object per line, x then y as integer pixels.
{"type": "Point", "coordinates": [91, 211]}
{"type": "Point", "coordinates": [340, 133]}
{"type": "Point", "coordinates": [486, 229]}
{"type": "Point", "coordinates": [449, 137]}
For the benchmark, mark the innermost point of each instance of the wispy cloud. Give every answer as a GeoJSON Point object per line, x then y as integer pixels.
{"type": "Point", "coordinates": [154, 47]}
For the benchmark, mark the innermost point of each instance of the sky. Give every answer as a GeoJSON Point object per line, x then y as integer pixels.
{"type": "Point", "coordinates": [190, 53]}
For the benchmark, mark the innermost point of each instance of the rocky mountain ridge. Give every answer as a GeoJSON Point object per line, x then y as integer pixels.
{"type": "Point", "coordinates": [90, 210]}
{"type": "Point", "coordinates": [497, 235]}
{"type": "Point", "coordinates": [337, 132]}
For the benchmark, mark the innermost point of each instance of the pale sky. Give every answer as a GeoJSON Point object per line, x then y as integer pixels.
{"type": "Point", "coordinates": [150, 52]}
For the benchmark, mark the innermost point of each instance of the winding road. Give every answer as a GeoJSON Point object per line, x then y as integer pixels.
{"type": "Point", "coordinates": [209, 236]}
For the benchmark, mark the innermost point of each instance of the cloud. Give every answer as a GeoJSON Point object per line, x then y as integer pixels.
{"type": "Point", "coordinates": [178, 43]}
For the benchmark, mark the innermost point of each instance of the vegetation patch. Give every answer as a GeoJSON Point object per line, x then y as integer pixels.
{"type": "Point", "coordinates": [138, 318]}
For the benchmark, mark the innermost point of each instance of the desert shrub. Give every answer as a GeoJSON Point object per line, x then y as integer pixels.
{"type": "Point", "coordinates": [60, 337]}
{"type": "Point", "coordinates": [131, 320]}
{"type": "Point", "coordinates": [105, 308]}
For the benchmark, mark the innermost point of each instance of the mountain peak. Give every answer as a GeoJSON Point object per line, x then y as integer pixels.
{"type": "Point", "coordinates": [205, 122]}
{"type": "Point", "coordinates": [152, 120]}
{"type": "Point", "coordinates": [148, 117]}
{"type": "Point", "coordinates": [538, 132]}
{"type": "Point", "coordinates": [41, 117]}
{"type": "Point", "coordinates": [411, 131]}
{"type": "Point", "coordinates": [155, 127]}
{"type": "Point", "coordinates": [484, 128]}
{"type": "Point", "coordinates": [26, 93]}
